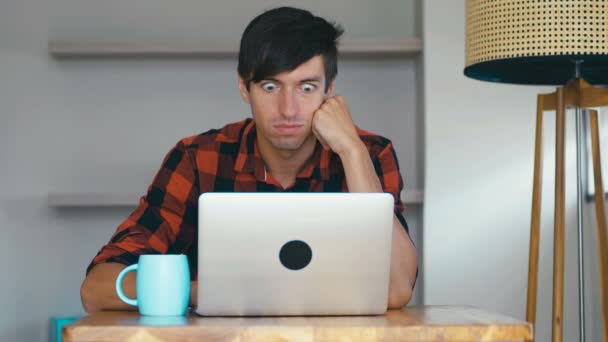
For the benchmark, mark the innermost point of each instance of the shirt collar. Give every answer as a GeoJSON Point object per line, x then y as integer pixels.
{"type": "Point", "coordinates": [250, 160]}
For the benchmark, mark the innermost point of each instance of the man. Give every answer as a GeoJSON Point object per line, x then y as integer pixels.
{"type": "Point", "coordinates": [300, 139]}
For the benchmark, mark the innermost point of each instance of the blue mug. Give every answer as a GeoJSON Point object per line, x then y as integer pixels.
{"type": "Point", "coordinates": [162, 284]}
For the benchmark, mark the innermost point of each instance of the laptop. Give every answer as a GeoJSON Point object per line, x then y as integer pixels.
{"type": "Point", "coordinates": [294, 254]}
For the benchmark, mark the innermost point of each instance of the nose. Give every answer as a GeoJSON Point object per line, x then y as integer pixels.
{"type": "Point", "coordinates": [288, 104]}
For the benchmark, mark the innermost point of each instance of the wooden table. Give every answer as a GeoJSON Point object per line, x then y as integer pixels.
{"type": "Point", "coordinates": [422, 323]}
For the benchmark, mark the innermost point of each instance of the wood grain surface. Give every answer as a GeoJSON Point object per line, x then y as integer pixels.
{"type": "Point", "coordinates": [421, 323]}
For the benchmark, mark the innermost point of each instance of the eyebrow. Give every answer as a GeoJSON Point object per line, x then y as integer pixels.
{"type": "Point", "coordinates": [306, 80]}
{"type": "Point", "coordinates": [311, 79]}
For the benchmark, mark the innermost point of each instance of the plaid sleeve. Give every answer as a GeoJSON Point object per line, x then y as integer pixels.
{"type": "Point", "coordinates": [387, 168]}
{"type": "Point", "coordinates": [165, 211]}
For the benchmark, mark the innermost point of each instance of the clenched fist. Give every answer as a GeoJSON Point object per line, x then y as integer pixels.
{"type": "Point", "coordinates": [333, 126]}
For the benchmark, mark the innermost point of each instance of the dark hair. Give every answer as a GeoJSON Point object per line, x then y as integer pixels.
{"type": "Point", "coordinates": [283, 38]}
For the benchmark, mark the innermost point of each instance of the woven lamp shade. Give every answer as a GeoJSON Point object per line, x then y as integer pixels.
{"type": "Point", "coordinates": [536, 41]}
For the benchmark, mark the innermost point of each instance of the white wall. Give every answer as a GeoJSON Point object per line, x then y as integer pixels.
{"type": "Point", "coordinates": [479, 140]}
{"type": "Point", "coordinates": [213, 20]}
{"type": "Point", "coordinates": [105, 125]}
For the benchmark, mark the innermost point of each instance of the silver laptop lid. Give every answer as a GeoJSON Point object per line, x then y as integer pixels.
{"type": "Point", "coordinates": [294, 253]}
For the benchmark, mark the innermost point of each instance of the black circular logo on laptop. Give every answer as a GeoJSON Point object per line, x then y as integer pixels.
{"type": "Point", "coordinates": [295, 255]}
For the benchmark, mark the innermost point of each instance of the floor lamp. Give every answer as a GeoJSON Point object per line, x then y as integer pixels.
{"type": "Point", "coordinates": [550, 42]}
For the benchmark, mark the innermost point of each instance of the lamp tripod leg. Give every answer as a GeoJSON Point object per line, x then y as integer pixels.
{"type": "Point", "coordinates": [535, 224]}
{"type": "Point", "coordinates": [558, 239]}
{"type": "Point", "coordinates": [600, 211]}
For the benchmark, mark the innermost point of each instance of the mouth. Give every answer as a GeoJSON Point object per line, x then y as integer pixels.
{"type": "Point", "coordinates": [287, 129]}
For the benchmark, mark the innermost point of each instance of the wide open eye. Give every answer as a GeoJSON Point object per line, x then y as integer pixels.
{"type": "Point", "coordinates": [308, 88]}
{"type": "Point", "coordinates": [270, 87]}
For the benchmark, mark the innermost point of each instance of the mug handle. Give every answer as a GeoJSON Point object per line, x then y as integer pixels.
{"type": "Point", "coordinates": [119, 279]}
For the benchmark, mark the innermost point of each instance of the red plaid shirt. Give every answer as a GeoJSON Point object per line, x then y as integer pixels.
{"type": "Point", "coordinates": [226, 160]}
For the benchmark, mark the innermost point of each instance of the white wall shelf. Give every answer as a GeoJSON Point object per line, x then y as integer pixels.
{"type": "Point", "coordinates": [99, 199]}
{"type": "Point", "coordinates": [412, 197]}
{"type": "Point", "coordinates": [81, 49]}
{"type": "Point", "coordinates": [92, 199]}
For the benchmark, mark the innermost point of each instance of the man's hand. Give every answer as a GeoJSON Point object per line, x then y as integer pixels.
{"type": "Point", "coordinates": [193, 293]}
{"type": "Point", "coordinates": [333, 126]}
{"type": "Point", "coordinates": [98, 290]}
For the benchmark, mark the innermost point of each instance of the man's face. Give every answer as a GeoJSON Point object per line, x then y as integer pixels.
{"type": "Point", "coordinates": [283, 105]}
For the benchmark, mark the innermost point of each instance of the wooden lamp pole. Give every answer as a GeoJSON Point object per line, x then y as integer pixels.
{"type": "Point", "coordinates": [576, 93]}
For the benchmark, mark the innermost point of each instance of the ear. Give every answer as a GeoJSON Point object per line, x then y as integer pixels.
{"type": "Point", "coordinates": [330, 89]}
{"type": "Point", "coordinates": [243, 90]}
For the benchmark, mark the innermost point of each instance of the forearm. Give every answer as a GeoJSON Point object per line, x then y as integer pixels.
{"type": "Point", "coordinates": [403, 267]}
{"type": "Point", "coordinates": [359, 170]}
{"type": "Point", "coordinates": [98, 290]}
{"type": "Point", "coordinates": [361, 177]}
